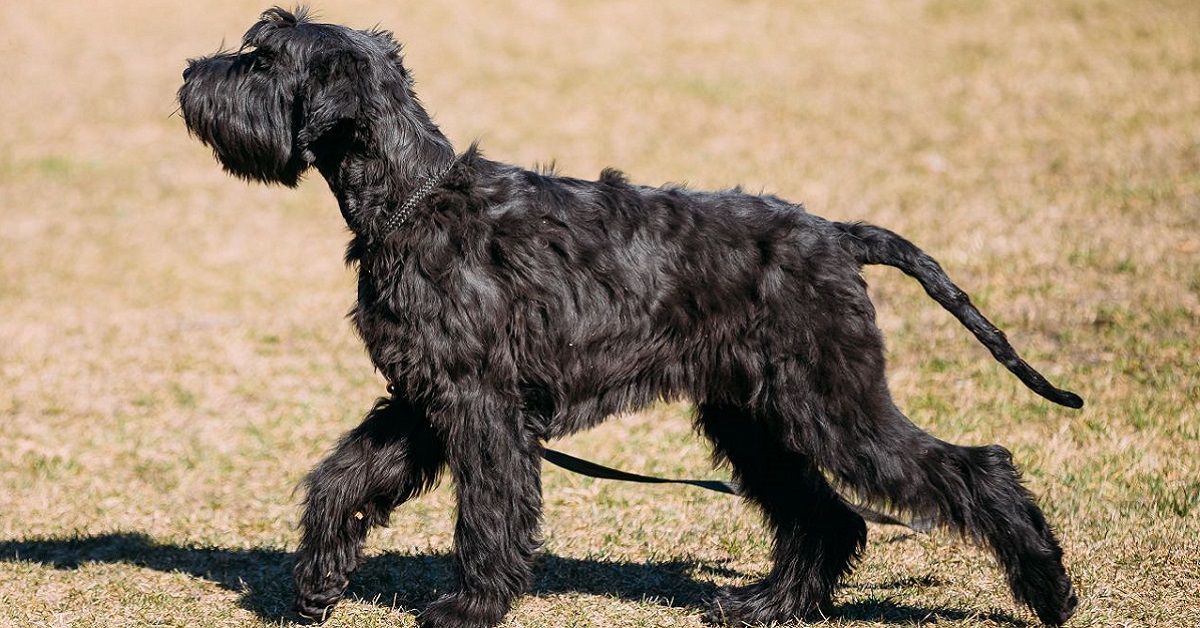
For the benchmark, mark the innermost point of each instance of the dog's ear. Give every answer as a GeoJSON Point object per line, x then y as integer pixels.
{"type": "Point", "coordinates": [331, 96]}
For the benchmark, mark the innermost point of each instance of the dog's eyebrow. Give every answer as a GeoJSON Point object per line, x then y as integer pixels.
{"type": "Point", "coordinates": [270, 21]}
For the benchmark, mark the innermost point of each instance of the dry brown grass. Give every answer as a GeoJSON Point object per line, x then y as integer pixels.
{"type": "Point", "coordinates": [173, 355]}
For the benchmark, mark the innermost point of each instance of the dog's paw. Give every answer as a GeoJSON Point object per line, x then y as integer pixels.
{"type": "Point", "coordinates": [760, 604]}
{"type": "Point", "coordinates": [1040, 582]}
{"type": "Point", "coordinates": [1055, 605]}
{"type": "Point", "coordinates": [316, 606]}
{"type": "Point", "coordinates": [459, 610]}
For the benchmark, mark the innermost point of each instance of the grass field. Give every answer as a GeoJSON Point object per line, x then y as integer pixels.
{"type": "Point", "coordinates": [174, 356]}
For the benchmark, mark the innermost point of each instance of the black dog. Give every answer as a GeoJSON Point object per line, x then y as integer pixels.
{"type": "Point", "coordinates": [507, 307]}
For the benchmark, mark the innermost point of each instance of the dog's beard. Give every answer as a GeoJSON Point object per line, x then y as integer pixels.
{"type": "Point", "coordinates": [249, 128]}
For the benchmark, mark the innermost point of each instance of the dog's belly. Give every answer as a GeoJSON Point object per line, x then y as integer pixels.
{"type": "Point", "coordinates": [605, 375]}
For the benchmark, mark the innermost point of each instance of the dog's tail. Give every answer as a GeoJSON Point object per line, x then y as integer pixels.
{"type": "Point", "coordinates": [874, 245]}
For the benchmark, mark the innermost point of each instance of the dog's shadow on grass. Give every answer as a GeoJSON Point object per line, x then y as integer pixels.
{"type": "Point", "coordinates": [262, 577]}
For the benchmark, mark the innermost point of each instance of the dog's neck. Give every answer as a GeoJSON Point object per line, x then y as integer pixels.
{"type": "Point", "coordinates": [379, 179]}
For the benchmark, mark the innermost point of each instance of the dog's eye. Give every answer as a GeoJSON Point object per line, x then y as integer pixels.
{"type": "Point", "coordinates": [261, 61]}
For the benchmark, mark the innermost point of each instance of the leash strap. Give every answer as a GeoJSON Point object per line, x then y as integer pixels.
{"type": "Point", "coordinates": [593, 470]}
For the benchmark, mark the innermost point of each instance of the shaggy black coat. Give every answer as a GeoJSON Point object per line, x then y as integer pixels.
{"type": "Point", "coordinates": [507, 307]}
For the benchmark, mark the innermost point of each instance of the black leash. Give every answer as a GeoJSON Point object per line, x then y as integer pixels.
{"type": "Point", "coordinates": [591, 469]}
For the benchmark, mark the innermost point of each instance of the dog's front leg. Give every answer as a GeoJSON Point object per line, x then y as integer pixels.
{"type": "Point", "coordinates": [393, 456]}
{"type": "Point", "coordinates": [496, 466]}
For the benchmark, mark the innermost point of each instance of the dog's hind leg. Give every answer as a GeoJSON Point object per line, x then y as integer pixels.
{"type": "Point", "coordinates": [496, 466]}
{"type": "Point", "coordinates": [817, 535]}
{"type": "Point", "coordinates": [393, 456]}
{"type": "Point", "coordinates": [872, 448]}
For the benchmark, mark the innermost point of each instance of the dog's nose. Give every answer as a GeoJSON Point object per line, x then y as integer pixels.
{"type": "Point", "coordinates": [187, 71]}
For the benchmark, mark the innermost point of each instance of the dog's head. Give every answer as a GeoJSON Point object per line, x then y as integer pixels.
{"type": "Point", "coordinates": [297, 92]}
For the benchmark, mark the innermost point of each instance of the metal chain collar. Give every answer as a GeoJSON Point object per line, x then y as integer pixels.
{"type": "Point", "coordinates": [402, 215]}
